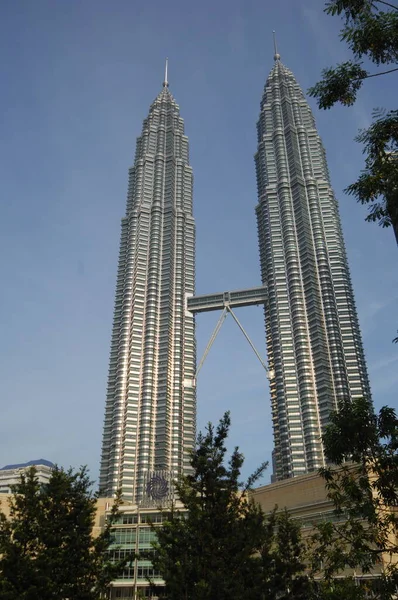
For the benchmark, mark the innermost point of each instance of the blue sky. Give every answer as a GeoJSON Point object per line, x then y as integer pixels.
{"type": "Point", "coordinates": [76, 84]}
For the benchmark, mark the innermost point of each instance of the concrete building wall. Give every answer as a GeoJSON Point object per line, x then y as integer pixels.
{"type": "Point", "coordinates": [306, 500]}
{"type": "Point", "coordinates": [11, 476]}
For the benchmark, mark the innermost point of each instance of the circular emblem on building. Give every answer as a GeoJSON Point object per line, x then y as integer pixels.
{"type": "Point", "coordinates": [157, 487]}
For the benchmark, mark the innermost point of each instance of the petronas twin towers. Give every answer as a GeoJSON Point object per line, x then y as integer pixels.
{"type": "Point", "coordinates": [313, 337]}
{"type": "Point", "coordinates": [150, 409]}
{"type": "Point", "coordinates": [314, 344]}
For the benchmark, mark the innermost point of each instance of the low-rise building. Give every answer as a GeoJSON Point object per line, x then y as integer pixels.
{"type": "Point", "coordinates": [10, 474]}
{"type": "Point", "coordinates": [133, 534]}
{"type": "Point", "coordinates": [305, 497]}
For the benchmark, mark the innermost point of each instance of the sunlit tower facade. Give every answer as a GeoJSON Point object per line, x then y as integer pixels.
{"type": "Point", "coordinates": [314, 343]}
{"type": "Point", "coordinates": [150, 412]}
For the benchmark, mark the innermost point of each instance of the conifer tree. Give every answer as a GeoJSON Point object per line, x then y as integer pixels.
{"type": "Point", "coordinates": [47, 547]}
{"type": "Point", "coordinates": [222, 546]}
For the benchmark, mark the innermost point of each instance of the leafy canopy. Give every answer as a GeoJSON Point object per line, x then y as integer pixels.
{"type": "Point", "coordinates": [283, 555]}
{"type": "Point", "coordinates": [370, 30]}
{"type": "Point", "coordinates": [364, 490]}
{"type": "Point", "coordinates": [221, 545]}
{"type": "Point", "coordinates": [47, 547]}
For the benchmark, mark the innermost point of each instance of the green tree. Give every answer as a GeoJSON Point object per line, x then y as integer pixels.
{"type": "Point", "coordinates": [283, 556]}
{"type": "Point", "coordinates": [221, 546]}
{"type": "Point", "coordinates": [47, 547]}
{"type": "Point", "coordinates": [363, 486]}
{"type": "Point", "coordinates": [371, 32]}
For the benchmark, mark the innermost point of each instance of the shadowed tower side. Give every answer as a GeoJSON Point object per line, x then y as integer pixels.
{"type": "Point", "coordinates": [313, 339]}
{"type": "Point", "coordinates": [150, 412]}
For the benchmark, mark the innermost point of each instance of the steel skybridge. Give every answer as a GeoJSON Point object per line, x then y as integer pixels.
{"type": "Point", "coordinates": [218, 301]}
{"type": "Point", "coordinates": [226, 301]}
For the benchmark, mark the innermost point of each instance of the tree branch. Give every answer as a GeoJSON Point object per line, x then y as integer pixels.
{"type": "Point", "coordinates": [387, 4]}
{"type": "Point", "coordinates": [377, 74]}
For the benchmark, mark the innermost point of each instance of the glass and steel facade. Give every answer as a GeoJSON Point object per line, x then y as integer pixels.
{"type": "Point", "coordinates": [133, 535]}
{"type": "Point", "coordinates": [150, 409]}
{"type": "Point", "coordinates": [313, 339]}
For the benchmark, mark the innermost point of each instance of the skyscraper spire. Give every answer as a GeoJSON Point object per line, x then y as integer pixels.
{"type": "Point", "coordinates": [165, 82]}
{"type": "Point", "coordinates": [276, 55]}
{"type": "Point", "coordinates": [314, 343]}
{"type": "Point", "coordinates": [150, 413]}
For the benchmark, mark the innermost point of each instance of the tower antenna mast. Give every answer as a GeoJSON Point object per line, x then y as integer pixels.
{"type": "Point", "coordinates": [276, 55]}
{"type": "Point", "coordinates": [166, 83]}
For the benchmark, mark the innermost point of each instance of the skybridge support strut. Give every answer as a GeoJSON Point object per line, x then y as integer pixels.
{"type": "Point", "coordinates": [212, 339]}
{"type": "Point", "coordinates": [239, 324]}
{"type": "Point", "coordinates": [226, 300]}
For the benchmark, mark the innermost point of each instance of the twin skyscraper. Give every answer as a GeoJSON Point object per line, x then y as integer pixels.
{"type": "Point", "coordinates": [313, 339]}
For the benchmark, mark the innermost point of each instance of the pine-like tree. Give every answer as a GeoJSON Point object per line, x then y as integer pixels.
{"type": "Point", "coordinates": [283, 560]}
{"type": "Point", "coordinates": [222, 546]}
{"type": "Point", "coordinates": [47, 547]}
